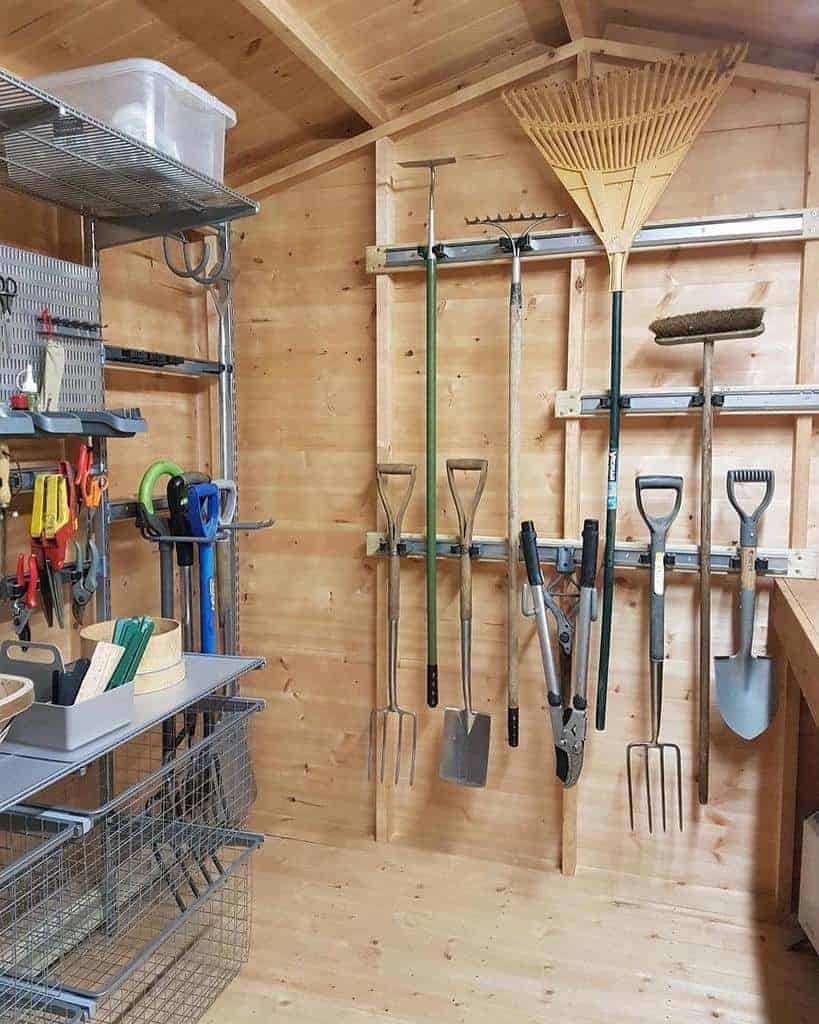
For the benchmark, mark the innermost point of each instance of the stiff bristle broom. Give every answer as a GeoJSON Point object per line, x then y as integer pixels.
{"type": "Point", "coordinates": [614, 142]}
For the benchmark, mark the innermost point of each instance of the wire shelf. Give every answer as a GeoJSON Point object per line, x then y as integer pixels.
{"type": "Point", "coordinates": [55, 153]}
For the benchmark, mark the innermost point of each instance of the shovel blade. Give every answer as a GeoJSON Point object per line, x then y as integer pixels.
{"type": "Point", "coordinates": [465, 755]}
{"type": "Point", "coordinates": [746, 694]}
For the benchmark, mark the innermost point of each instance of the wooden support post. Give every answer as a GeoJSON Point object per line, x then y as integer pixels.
{"type": "Point", "coordinates": [385, 235]}
{"type": "Point", "coordinates": [800, 508]}
{"type": "Point", "coordinates": [571, 484]}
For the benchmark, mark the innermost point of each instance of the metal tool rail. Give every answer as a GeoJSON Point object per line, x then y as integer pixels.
{"type": "Point", "coordinates": [793, 563]}
{"type": "Point", "coordinates": [574, 243]}
{"type": "Point", "coordinates": [670, 401]}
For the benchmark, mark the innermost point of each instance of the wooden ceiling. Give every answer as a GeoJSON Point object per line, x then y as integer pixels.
{"type": "Point", "coordinates": [304, 74]}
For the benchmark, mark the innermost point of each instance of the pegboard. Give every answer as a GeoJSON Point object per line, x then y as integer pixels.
{"type": "Point", "coordinates": [71, 292]}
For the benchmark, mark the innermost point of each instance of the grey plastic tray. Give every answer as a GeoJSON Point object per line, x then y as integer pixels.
{"type": "Point", "coordinates": [66, 728]}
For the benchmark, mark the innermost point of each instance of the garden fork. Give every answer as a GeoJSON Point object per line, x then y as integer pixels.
{"type": "Point", "coordinates": [658, 528]}
{"type": "Point", "coordinates": [394, 520]}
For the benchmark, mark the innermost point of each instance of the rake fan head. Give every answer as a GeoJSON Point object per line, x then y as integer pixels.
{"type": "Point", "coordinates": [615, 141]}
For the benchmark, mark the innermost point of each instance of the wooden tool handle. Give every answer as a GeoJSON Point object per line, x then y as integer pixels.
{"type": "Point", "coordinates": [466, 522]}
{"type": "Point", "coordinates": [513, 515]}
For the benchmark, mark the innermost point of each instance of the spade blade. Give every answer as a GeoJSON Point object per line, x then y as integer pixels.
{"type": "Point", "coordinates": [465, 755]}
{"type": "Point", "coordinates": [746, 695]}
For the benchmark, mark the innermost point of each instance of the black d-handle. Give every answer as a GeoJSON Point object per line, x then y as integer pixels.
{"type": "Point", "coordinates": [749, 521]}
{"type": "Point", "coordinates": [659, 524]}
{"type": "Point", "coordinates": [177, 494]}
{"type": "Point", "coordinates": [528, 541]}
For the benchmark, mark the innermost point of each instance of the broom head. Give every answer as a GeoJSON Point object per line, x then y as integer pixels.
{"type": "Point", "coordinates": [616, 140]}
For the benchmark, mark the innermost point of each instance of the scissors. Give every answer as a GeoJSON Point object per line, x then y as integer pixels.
{"type": "Point", "coordinates": [8, 293]}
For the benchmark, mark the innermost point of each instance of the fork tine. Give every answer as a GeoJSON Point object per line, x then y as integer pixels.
{"type": "Point", "coordinates": [662, 784]}
{"type": "Point", "coordinates": [398, 748]}
{"type": "Point", "coordinates": [679, 786]}
{"type": "Point", "coordinates": [629, 749]}
{"type": "Point", "coordinates": [414, 745]}
{"type": "Point", "coordinates": [371, 746]}
{"type": "Point", "coordinates": [383, 745]}
{"type": "Point", "coordinates": [648, 792]}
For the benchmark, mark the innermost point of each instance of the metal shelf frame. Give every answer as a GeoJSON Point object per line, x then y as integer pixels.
{"type": "Point", "coordinates": [57, 154]}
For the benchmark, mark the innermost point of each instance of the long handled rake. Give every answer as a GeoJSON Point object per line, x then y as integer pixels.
{"type": "Point", "coordinates": [431, 260]}
{"type": "Point", "coordinates": [516, 245]}
{"type": "Point", "coordinates": [614, 142]}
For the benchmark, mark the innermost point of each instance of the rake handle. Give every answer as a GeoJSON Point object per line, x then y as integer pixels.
{"type": "Point", "coordinates": [611, 507]}
{"type": "Point", "coordinates": [513, 506]}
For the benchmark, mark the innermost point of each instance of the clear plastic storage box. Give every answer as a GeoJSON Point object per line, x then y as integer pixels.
{"type": "Point", "coordinates": [154, 104]}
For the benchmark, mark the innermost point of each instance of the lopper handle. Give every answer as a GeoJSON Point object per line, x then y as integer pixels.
{"type": "Point", "coordinates": [658, 527]}
{"type": "Point", "coordinates": [588, 561]}
{"type": "Point", "coordinates": [528, 541]}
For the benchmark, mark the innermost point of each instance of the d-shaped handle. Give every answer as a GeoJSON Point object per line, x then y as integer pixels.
{"type": "Point", "coordinates": [749, 521]}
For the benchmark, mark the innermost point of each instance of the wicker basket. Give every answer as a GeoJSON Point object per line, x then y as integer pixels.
{"type": "Point", "coordinates": [16, 696]}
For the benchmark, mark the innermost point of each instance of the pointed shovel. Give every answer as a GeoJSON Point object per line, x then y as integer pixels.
{"type": "Point", "coordinates": [746, 692]}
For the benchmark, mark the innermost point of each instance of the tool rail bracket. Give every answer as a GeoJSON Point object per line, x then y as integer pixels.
{"type": "Point", "coordinates": [793, 563]}
{"type": "Point", "coordinates": [581, 242]}
{"type": "Point", "coordinates": [677, 401]}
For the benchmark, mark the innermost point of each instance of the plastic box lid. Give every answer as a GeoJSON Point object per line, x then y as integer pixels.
{"type": "Point", "coordinates": [136, 65]}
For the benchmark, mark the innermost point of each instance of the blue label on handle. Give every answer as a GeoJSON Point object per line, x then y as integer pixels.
{"type": "Point", "coordinates": [611, 501]}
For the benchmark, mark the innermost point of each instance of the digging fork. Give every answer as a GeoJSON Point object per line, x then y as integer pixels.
{"type": "Point", "coordinates": [395, 518]}
{"type": "Point", "coordinates": [658, 528]}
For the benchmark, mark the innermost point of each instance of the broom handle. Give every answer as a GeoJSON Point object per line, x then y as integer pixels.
{"type": "Point", "coordinates": [513, 507]}
{"type": "Point", "coordinates": [611, 506]}
{"type": "Point", "coordinates": [706, 471]}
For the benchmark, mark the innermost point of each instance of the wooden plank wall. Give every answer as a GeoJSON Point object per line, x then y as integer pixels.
{"type": "Point", "coordinates": [309, 337]}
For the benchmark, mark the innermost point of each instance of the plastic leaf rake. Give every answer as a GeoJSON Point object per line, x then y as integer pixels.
{"type": "Point", "coordinates": [614, 142]}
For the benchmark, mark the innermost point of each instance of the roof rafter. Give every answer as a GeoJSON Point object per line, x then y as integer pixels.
{"type": "Point", "coordinates": [572, 18]}
{"type": "Point", "coordinates": [427, 112]}
{"type": "Point", "coordinates": [760, 74]}
{"type": "Point", "coordinates": [284, 21]}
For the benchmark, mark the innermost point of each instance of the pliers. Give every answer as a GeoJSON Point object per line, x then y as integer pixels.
{"type": "Point", "coordinates": [568, 720]}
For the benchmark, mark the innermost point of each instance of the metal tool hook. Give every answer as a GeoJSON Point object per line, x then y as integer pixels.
{"type": "Point", "coordinates": [197, 272]}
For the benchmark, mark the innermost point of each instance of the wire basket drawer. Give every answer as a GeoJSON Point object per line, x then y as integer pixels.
{"type": "Point", "coordinates": [33, 879]}
{"type": "Point", "coordinates": [195, 767]}
{"type": "Point", "coordinates": [157, 918]}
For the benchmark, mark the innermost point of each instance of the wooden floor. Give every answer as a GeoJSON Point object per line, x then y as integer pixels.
{"type": "Point", "coordinates": [354, 935]}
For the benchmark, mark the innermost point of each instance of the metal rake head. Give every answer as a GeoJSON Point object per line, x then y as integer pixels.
{"type": "Point", "coordinates": [676, 764]}
{"type": "Point", "coordinates": [383, 714]}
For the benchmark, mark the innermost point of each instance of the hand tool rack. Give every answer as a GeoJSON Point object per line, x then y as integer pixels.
{"type": "Point", "coordinates": [149, 894]}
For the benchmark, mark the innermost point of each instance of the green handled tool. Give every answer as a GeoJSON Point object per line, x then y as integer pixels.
{"type": "Point", "coordinates": [431, 260]}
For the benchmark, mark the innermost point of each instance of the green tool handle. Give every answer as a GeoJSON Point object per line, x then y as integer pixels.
{"type": "Point", "coordinates": [162, 467]}
{"type": "Point", "coordinates": [431, 471]}
{"type": "Point", "coordinates": [611, 506]}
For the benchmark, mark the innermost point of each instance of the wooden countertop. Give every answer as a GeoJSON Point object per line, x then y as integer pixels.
{"type": "Point", "coordinates": [795, 622]}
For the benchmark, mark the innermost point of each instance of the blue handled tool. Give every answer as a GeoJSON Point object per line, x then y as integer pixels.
{"type": "Point", "coordinates": [203, 517]}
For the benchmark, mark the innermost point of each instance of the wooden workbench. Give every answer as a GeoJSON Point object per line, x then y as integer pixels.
{"type": "Point", "coordinates": [794, 639]}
